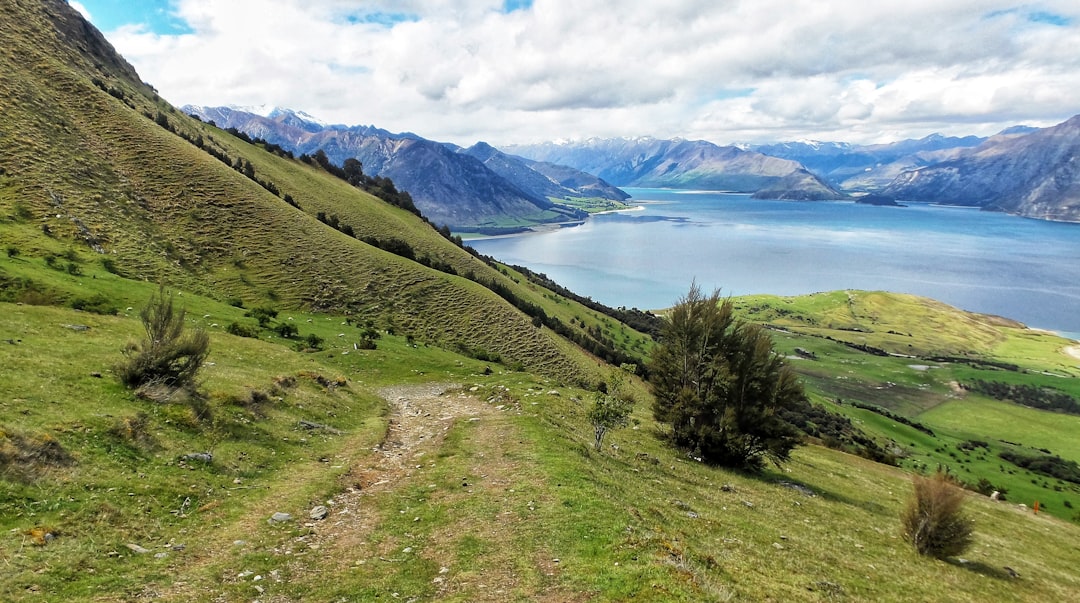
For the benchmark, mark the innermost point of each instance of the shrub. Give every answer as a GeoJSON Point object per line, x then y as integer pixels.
{"type": "Point", "coordinates": [168, 355]}
{"type": "Point", "coordinates": [314, 341]}
{"type": "Point", "coordinates": [933, 520]}
{"type": "Point", "coordinates": [240, 330]}
{"type": "Point", "coordinates": [109, 265]}
{"type": "Point", "coordinates": [263, 314]}
{"type": "Point", "coordinates": [286, 330]}
{"type": "Point", "coordinates": [610, 410]}
{"type": "Point", "coordinates": [97, 304]}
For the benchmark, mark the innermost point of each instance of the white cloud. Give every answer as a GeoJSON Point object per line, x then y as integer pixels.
{"type": "Point", "coordinates": [724, 70]}
{"type": "Point", "coordinates": [82, 9]}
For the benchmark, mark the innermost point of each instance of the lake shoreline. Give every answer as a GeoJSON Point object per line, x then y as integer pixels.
{"type": "Point", "coordinates": [647, 256]}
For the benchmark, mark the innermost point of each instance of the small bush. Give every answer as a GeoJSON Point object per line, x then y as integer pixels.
{"type": "Point", "coordinates": [240, 330]}
{"type": "Point", "coordinates": [168, 355]}
{"type": "Point", "coordinates": [286, 330]}
{"type": "Point", "coordinates": [933, 520]}
{"type": "Point", "coordinates": [97, 304]}
{"type": "Point", "coordinates": [314, 341]}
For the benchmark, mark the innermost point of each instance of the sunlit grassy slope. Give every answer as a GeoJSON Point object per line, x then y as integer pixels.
{"type": "Point", "coordinates": [94, 162]}
{"type": "Point", "coordinates": [912, 356]}
{"type": "Point", "coordinates": [512, 505]}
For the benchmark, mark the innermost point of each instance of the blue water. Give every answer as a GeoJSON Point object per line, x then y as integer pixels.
{"type": "Point", "coordinates": [1028, 270]}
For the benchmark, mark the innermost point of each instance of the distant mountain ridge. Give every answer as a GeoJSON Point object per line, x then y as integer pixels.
{"type": "Point", "coordinates": [451, 186]}
{"type": "Point", "coordinates": [868, 167]}
{"type": "Point", "coordinates": [1036, 175]}
{"type": "Point", "coordinates": [678, 163]}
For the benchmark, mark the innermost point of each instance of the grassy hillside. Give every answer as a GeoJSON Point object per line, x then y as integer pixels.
{"type": "Point", "coordinates": [869, 355]}
{"type": "Point", "coordinates": [98, 166]}
{"type": "Point", "coordinates": [500, 496]}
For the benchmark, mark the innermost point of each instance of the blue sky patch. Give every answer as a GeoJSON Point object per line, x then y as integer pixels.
{"type": "Point", "coordinates": [510, 6]}
{"type": "Point", "coordinates": [383, 19]}
{"type": "Point", "coordinates": [1041, 17]}
{"type": "Point", "coordinates": [156, 16]}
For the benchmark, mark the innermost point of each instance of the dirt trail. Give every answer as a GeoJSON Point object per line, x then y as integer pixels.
{"type": "Point", "coordinates": [421, 416]}
{"type": "Point", "coordinates": [1073, 350]}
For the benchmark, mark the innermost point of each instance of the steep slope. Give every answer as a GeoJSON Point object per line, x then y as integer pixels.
{"type": "Point", "coordinates": [541, 179]}
{"type": "Point", "coordinates": [651, 162]}
{"type": "Point", "coordinates": [450, 188]}
{"type": "Point", "coordinates": [93, 159]}
{"type": "Point", "coordinates": [1036, 175]}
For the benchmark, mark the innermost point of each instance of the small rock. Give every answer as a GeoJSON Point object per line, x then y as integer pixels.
{"type": "Point", "coordinates": [1012, 573]}
{"type": "Point", "coordinates": [692, 515]}
{"type": "Point", "coordinates": [778, 546]}
{"type": "Point", "coordinates": [95, 375]}
{"type": "Point", "coordinates": [748, 504]}
{"type": "Point", "coordinates": [137, 549]}
{"type": "Point", "coordinates": [319, 513]}
{"type": "Point", "coordinates": [204, 457]}
{"type": "Point", "coordinates": [280, 517]}
{"type": "Point", "coordinates": [727, 488]}
{"type": "Point", "coordinates": [160, 555]}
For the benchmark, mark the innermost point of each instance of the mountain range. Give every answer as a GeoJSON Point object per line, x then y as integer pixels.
{"type": "Point", "coordinates": [468, 190]}
{"type": "Point", "coordinates": [1022, 170]}
{"type": "Point", "coordinates": [677, 163]}
{"type": "Point", "coordinates": [1036, 175]}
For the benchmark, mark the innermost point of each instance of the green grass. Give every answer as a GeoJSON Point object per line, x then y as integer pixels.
{"type": "Point", "coordinates": [926, 389]}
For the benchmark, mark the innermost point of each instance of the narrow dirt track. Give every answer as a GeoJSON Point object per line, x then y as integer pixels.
{"type": "Point", "coordinates": [421, 416]}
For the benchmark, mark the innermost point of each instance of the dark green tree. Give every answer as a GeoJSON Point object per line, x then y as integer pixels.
{"type": "Point", "coordinates": [720, 385]}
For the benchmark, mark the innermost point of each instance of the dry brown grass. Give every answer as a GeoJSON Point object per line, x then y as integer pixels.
{"type": "Point", "coordinates": [933, 520]}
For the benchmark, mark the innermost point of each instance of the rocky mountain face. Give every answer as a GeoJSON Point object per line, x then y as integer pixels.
{"type": "Point", "coordinates": [546, 180]}
{"type": "Point", "coordinates": [869, 167]}
{"type": "Point", "coordinates": [475, 189]}
{"type": "Point", "coordinates": [1035, 175]}
{"type": "Point", "coordinates": [650, 162]}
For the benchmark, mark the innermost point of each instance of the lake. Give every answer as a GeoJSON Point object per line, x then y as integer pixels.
{"type": "Point", "coordinates": [1024, 269]}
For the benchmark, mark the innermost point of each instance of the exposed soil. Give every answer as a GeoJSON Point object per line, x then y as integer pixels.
{"type": "Point", "coordinates": [421, 416]}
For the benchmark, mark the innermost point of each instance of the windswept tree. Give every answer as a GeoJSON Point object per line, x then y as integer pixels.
{"type": "Point", "coordinates": [721, 386]}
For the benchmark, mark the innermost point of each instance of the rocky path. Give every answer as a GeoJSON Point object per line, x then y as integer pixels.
{"type": "Point", "coordinates": [421, 416]}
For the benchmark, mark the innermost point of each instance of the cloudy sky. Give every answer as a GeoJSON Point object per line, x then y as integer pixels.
{"type": "Point", "coordinates": [508, 71]}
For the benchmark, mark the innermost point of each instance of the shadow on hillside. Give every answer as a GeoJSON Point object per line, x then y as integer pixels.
{"type": "Point", "coordinates": [808, 490]}
{"type": "Point", "coordinates": [983, 569]}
